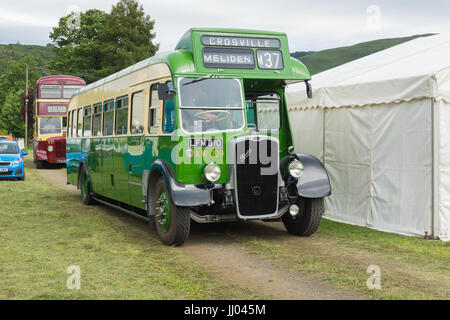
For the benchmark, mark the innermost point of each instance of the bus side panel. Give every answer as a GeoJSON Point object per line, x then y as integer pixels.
{"type": "Point", "coordinates": [136, 168]}
{"type": "Point", "coordinates": [73, 157]}
{"type": "Point", "coordinates": [95, 165]}
{"type": "Point", "coordinates": [120, 161]}
{"type": "Point", "coordinates": [108, 168]}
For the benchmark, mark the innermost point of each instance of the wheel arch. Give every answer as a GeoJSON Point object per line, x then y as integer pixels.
{"type": "Point", "coordinates": [182, 194]}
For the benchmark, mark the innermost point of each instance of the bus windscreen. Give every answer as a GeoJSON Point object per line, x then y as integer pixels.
{"type": "Point", "coordinates": [50, 125]}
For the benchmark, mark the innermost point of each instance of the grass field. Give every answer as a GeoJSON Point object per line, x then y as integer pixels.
{"type": "Point", "coordinates": [44, 229]}
{"type": "Point", "coordinates": [411, 268]}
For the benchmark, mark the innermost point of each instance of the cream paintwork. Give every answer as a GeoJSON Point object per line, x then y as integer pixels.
{"type": "Point", "coordinates": [141, 80]}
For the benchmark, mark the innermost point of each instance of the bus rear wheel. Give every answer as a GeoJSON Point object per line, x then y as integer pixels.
{"type": "Point", "coordinates": [172, 222]}
{"type": "Point", "coordinates": [308, 219]}
{"type": "Point", "coordinates": [85, 188]}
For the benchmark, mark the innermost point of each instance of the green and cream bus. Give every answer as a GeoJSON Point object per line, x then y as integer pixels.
{"type": "Point", "coordinates": [199, 133]}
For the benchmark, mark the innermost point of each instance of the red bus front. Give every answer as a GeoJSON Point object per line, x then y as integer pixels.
{"type": "Point", "coordinates": [52, 95]}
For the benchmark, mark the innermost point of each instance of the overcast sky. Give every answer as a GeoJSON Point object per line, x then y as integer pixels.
{"type": "Point", "coordinates": [310, 25]}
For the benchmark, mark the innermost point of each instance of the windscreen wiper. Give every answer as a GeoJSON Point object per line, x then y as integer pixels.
{"type": "Point", "coordinates": [208, 76]}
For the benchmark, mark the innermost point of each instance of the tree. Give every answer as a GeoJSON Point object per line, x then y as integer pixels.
{"type": "Point", "coordinates": [22, 99]}
{"type": "Point", "coordinates": [13, 79]}
{"type": "Point", "coordinates": [103, 43]}
{"type": "Point", "coordinates": [77, 48]}
{"type": "Point", "coordinates": [10, 115]}
{"type": "Point", "coordinates": [127, 37]}
{"type": "Point", "coordinates": [12, 86]}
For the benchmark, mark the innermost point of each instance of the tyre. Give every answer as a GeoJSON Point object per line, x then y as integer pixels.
{"type": "Point", "coordinates": [85, 187]}
{"type": "Point", "coordinates": [151, 219]}
{"type": "Point", "coordinates": [308, 219]}
{"type": "Point", "coordinates": [172, 223]}
{"type": "Point", "coordinates": [22, 178]}
{"type": "Point", "coordinates": [39, 164]}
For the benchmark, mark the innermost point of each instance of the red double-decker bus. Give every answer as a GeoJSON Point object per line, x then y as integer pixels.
{"type": "Point", "coordinates": [51, 97]}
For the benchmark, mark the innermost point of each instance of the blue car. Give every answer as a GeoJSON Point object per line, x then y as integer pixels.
{"type": "Point", "coordinates": [11, 160]}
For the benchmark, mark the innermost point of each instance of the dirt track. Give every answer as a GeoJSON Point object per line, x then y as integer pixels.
{"type": "Point", "coordinates": [230, 260]}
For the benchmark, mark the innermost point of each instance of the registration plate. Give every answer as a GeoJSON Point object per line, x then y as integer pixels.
{"type": "Point", "coordinates": [3, 169]}
{"type": "Point", "coordinates": [206, 143]}
{"type": "Point", "coordinates": [61, 161]}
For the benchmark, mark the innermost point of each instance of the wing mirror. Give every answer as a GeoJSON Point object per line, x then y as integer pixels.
{"type": "Point", "coordinates": [164, 92]}
{"type": "Point", "coordinates": [25, 153]}
{"type": "Point", "coordinates": [309, 89]}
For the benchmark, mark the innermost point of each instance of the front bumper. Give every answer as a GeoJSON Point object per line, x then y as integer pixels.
{"type": "Point", "coordinates": [12, 171]}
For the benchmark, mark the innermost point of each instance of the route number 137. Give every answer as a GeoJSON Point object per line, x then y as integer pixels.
{"type": "Point", "coordinates": [270, 59]}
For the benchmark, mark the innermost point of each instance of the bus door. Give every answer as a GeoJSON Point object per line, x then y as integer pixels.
{"type": "Point", "coordinates": [108, 150]}
{"type": "Point", "coordinates": [136, 148]}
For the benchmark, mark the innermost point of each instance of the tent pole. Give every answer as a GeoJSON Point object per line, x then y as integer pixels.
{"type": "Point", "coordinates": [434, 166]}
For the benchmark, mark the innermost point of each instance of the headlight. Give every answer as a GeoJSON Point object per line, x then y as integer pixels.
{"type": "Point", "coordinates": [212, 172]}
{"type": "Point", "coordinates": [50, 148]}
{"type": "Point", "coordinates": [17, 161]}
{"type": "Point", "coordinates": [296, 169]}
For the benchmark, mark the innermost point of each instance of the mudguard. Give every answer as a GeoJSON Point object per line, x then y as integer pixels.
{"type": "Point", "coordinates": [314, 183]}
{"type": "Point", "coordinates": [184, 195]}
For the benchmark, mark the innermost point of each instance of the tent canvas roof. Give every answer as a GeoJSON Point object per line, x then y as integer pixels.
{"type": "Point", "coordinates": [415, 69]}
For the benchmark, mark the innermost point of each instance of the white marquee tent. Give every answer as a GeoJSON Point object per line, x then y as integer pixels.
{"type": "Point", "coordinates": [381, 126]}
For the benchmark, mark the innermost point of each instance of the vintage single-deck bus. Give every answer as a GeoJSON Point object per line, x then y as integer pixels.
{"type": "Point", "coordinates": [51, 97]}
{"type": "Point", "coordinates": [200, 133]}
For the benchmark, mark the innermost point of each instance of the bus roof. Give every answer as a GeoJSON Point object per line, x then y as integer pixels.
{"type": "Point", "coordinates": [60, 79]}
{"type": "Point", "coordinates": [188, 57]}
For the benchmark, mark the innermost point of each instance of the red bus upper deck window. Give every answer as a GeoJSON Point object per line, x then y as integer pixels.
{"type": "Point", "coordinates": [68, 90]}
{"type": "Point", "coordinates": [50, 91]}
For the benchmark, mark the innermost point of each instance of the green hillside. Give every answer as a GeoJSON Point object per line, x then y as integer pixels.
{"type": "Point", "coordinates": [327, 59]}
{"type": "Point", "coordinates": [13, 52]}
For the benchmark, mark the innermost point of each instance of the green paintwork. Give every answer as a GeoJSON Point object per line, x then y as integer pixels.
{"type": "Point", "coordinates": [117, 164]}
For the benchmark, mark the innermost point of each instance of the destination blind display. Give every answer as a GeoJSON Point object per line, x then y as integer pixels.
{"type": "Point", "coordinates": [228, 58]}
{"type": "Point", "coordinates": [227, 41]}
{"type": "Point", "coordinates": [56, 109]}
{"type": "Point", "coordinates": [245, 54]}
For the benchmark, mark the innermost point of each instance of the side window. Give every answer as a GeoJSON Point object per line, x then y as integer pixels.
{"type": "Point", "coordinates": [87, 122]}
{"type": "Point", "coordinates": [97, 122]}
{"type": "Point", "coordinates": [73, 119]}
{"type": "Point", "coordinates": [137, 113]}
{"type": "Point", "coordinates": [80, 122]}
{"type": "Point", "coordinates": [73, 123]}
{"type": "Point", "coordinates": [122, 116]}
{"type": "Point", "coordinates": [153, 125]}
{"type": "Point", "coordinates": [108, 118]}
{"type": "Point", "coordinates": [169, 113]}
{"type": "Point", "coordinates": [69, 128]}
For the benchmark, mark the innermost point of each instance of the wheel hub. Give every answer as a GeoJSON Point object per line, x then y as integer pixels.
{"type": "Point", "coordinates": [163, 211]}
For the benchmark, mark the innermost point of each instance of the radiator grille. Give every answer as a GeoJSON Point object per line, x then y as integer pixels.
{"type": "Point", "coordinates": [257, 176]}
{"type": "Point", "coordinates": [60, 149]}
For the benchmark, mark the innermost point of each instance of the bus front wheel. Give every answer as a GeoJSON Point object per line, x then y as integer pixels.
{"type": "Point", "coordinates": [172, 222]}
{"type": "Point", "coordinates": [308, 219]}
{"type": "Point", "coordinates": [39, 164]}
